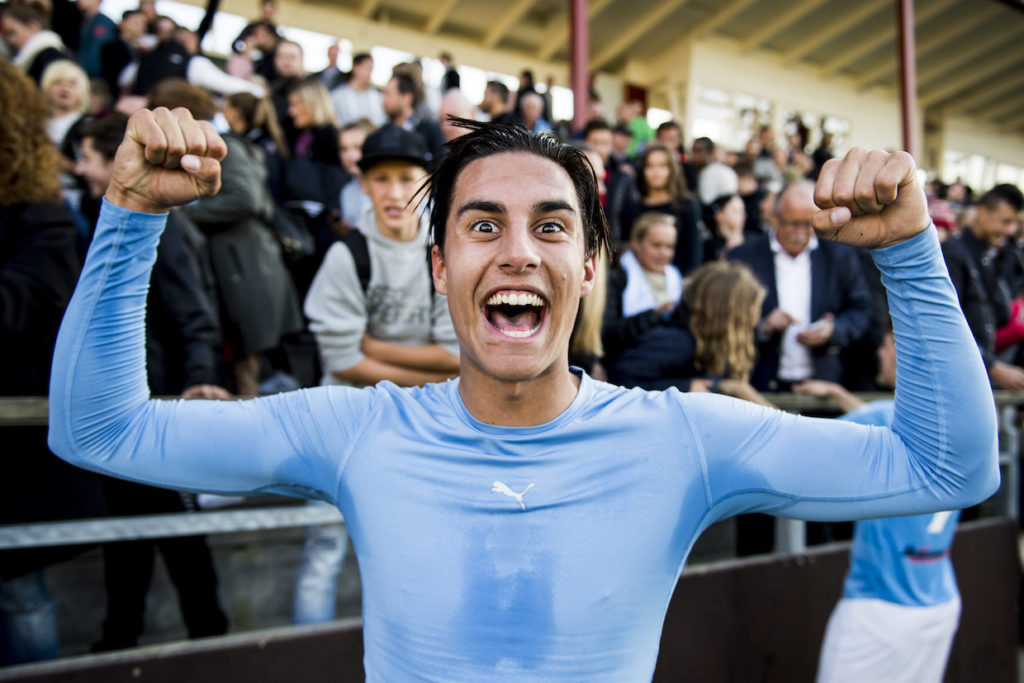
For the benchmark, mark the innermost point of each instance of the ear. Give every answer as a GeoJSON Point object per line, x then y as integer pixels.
{"type": "Point", "coordinates": [589, 275]}
{"type": "Point", "coordinates": [438, 271]}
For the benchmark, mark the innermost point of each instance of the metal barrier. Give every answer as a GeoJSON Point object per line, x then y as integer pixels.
{"type": "Point", "coordinates": [33, 411]}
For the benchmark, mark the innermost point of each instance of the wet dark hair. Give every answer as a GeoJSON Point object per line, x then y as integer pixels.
{"type": "Point", "coordinates": [1004, 193]}
{"type": "Point", "coordinates": [595, 124]}
{"type": "Point", "coordinates": [106, 133]}
{"type": "Point", "coordinates": [488, 139]}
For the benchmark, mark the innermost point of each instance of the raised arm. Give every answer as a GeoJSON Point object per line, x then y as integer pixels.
{"type": "Point", "coordinates": [941, 451]}
{"type": "Point", "coordinates": [100, 413]}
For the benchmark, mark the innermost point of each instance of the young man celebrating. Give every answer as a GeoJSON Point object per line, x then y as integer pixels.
{"type": "Point", "coordinates": [525, 520]}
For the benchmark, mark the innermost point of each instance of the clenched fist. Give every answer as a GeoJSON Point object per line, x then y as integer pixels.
{"type": "Point", "coordinates": [870, 199]}
{"type": "Point", "coordinates": [166, 159]}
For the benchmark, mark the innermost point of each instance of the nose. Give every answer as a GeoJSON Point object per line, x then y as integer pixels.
{"type": "Point", "coordinates": [396, 191]}
{"type": "Point", "coordinates": [518, 252]}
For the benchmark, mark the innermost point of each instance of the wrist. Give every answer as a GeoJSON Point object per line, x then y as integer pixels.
{"type": "Point", "coordinates": [132, 201]}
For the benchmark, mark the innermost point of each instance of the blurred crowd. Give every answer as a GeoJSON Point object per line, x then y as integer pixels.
{"type": "Point", "coordinates": [287, 277]}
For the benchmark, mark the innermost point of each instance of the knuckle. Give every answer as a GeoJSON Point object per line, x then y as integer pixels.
{"type": "Point", "coordinates": [856, 153]}
{"type": "Point", "coordinates": [182, 113]}
{"type": "Point", "coordinates": [843, 195]}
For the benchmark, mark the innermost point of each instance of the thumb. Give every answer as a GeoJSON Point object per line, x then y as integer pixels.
{"type": "Point", "coordinates": [204, 169]}
{"type": "Point", "coordinates": [831, 219]}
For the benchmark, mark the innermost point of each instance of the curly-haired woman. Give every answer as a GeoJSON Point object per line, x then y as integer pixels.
{"type": "Point", "coordinates": [39, 266]}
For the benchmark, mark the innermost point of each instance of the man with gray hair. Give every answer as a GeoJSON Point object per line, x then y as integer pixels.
{"type": "Point", "coordinates": [533, 113]}
{"type": "Point", "coordinates": [817, 301]}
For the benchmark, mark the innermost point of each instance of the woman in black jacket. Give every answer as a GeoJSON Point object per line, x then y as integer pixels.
{"type": "Point", "coordinates": [257, 300]}
{"type": "Point", "coordinates": [662, 189]}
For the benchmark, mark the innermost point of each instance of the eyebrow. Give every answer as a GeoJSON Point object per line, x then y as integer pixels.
{"type": "Point", "coordinates": [481, 205]}
{"type": "Point", "coordinates": [486, 206]}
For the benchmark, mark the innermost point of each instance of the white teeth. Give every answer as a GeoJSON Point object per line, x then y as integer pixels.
{"type": "Point", "coordinates": [520, 299]}
{"type": "Point", "coordinates": [519, 334]}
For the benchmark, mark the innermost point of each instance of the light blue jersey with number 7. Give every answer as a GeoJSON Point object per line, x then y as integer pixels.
{"type": "Point", "coordinates": [904, 560]}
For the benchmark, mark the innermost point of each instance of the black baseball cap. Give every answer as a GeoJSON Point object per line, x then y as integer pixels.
{"type": "Point", "coordinates": [394, 143]}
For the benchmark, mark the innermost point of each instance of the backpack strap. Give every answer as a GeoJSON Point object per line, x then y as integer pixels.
{"type": "Point", "coordinates": [356, 243]}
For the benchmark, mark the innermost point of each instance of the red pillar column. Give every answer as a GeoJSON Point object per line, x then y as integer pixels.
{"type": "Point", "coordinates": [908, 76]}
{"type": "Point", "coordinates": [579, 61]}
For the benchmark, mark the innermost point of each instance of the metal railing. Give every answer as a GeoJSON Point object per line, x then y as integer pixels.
{"type": "Point", "coordinates": [33, 411]}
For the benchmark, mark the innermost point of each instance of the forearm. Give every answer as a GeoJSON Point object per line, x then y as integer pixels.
{"type": "Point", "coordinates": [369, 371]}
{"type": "Point", "coordinates": [100, 415]}
{"type": "Point", "coordinates": [944, 406]}
{"type": "Point", "coordinates": [940, 453]}
{"type": "Point", "coordinates": [430, 358]}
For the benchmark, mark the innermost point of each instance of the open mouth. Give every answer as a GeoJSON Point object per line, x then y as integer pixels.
{"type": "Point", "coordinates": [516, 313]}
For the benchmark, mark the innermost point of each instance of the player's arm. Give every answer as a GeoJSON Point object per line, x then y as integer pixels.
{"type": "Point", "coordinates": [100, 414]}
{"type": "Point", "coordinates": [941, 451]}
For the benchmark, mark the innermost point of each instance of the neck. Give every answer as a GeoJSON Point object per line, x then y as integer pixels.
{"type": "Point", "coordinates": [405, 233]}
{"type": "Point", "coordinates": [61, 111]}
{"type": "Point", "coordinates": [658, 196]}
{"type": "Point", "coordinates": [526, 403]}
{"type": "Point", "coordinates": [402, 118]}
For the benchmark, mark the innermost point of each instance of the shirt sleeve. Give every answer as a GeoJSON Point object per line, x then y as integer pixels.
{"type": "Point", "coordinates": [940, 454]}
{"type": "Point", "coordinates": [101, 418]}
{"type": "Point", "coordinates": [336, 308]}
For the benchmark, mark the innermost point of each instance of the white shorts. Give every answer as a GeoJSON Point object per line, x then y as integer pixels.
{"type": "Point", "coordinates": [875, 640]}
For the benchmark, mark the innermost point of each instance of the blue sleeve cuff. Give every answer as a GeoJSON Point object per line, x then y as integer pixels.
{"type": "Point", "coordinates": [119, 213]}
{"type": "Point", "coordinates": [920, 249]}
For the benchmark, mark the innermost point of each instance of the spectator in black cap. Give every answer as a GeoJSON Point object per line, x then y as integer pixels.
{"type": "Point", "coordinates": [376, 316]}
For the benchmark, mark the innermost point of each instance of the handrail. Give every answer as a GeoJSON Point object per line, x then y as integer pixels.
{"type": "Point", "coordinates": [108, 529]}
{"type": "Point", "coordinates": [33, 411]}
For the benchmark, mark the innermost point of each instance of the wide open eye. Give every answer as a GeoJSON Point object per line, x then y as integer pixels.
{"type": "Point", "coordinates": [485, 226]}
{"type": "Point", "coordinates": [551, 228]}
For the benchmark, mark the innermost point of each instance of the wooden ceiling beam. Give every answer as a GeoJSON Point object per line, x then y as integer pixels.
{"type": "Point", "coordinates": [635, 32]}
{"type": "Point", "coordinates": [1004, 107]}
{"type": "Point", "coordinates": [558, 36]}
{"type": "Point", "coordinates": [921, 15]}
{"type": "Point", "coordinates": [721, 16]}
{"type": "Point", "coordinates": [779, 23]}
{"type": "Point", "coordinates": [436, 19]}
{"type": "Point", "coordinates": [976, 52]}
{"type": "Point", "coordinates": [981, 99]}
{"type": "Point", "coordinates": [505, 21]}
{"type": "Point", "coordinates": [935, 40]}
{"type": "Point", "coordinates": [368, 7]}
{"type": "Point", "coordinates": [951, 86]}
{"type": "Point", "coordinates": [839, 25]}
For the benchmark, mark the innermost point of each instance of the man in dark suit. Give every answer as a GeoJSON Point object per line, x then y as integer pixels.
{"type": "Point", "coordinates": [817, 301]}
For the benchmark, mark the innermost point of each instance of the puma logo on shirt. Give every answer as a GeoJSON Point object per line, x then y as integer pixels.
{"type": "Point", "coordinates": [500, 487]}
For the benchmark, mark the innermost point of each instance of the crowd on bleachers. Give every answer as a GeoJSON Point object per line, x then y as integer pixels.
{"type": "Point", "coordinates": [717, 282]}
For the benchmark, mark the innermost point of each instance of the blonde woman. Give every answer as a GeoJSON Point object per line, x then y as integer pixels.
{"type": "Point", "coordinates": [65, 86]}
{"type": "Point", "coordinates": [315, 126]}
{"type": "Point", "coordinates": [312, 175]}
{"type": "Point", "coordinates": [724, 306]}
{"type": "Point", "coordinates": [641, 332]}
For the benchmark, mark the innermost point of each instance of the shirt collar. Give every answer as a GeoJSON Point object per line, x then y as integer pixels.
{"type": "Point", "coordinates": [777, 248]}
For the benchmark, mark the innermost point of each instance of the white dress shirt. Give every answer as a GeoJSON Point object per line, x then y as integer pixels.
{"type": "Point", "coordinates": [793, 285]}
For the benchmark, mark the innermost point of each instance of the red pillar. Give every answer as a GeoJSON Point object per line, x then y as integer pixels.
{"type": "Point", "coordinates": [579, 59]}
{"type": "Point", "coordinates": [908, 76]}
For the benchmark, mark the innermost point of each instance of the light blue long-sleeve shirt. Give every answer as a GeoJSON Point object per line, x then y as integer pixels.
{"type": "Point", "coordinates": [526, 553]}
